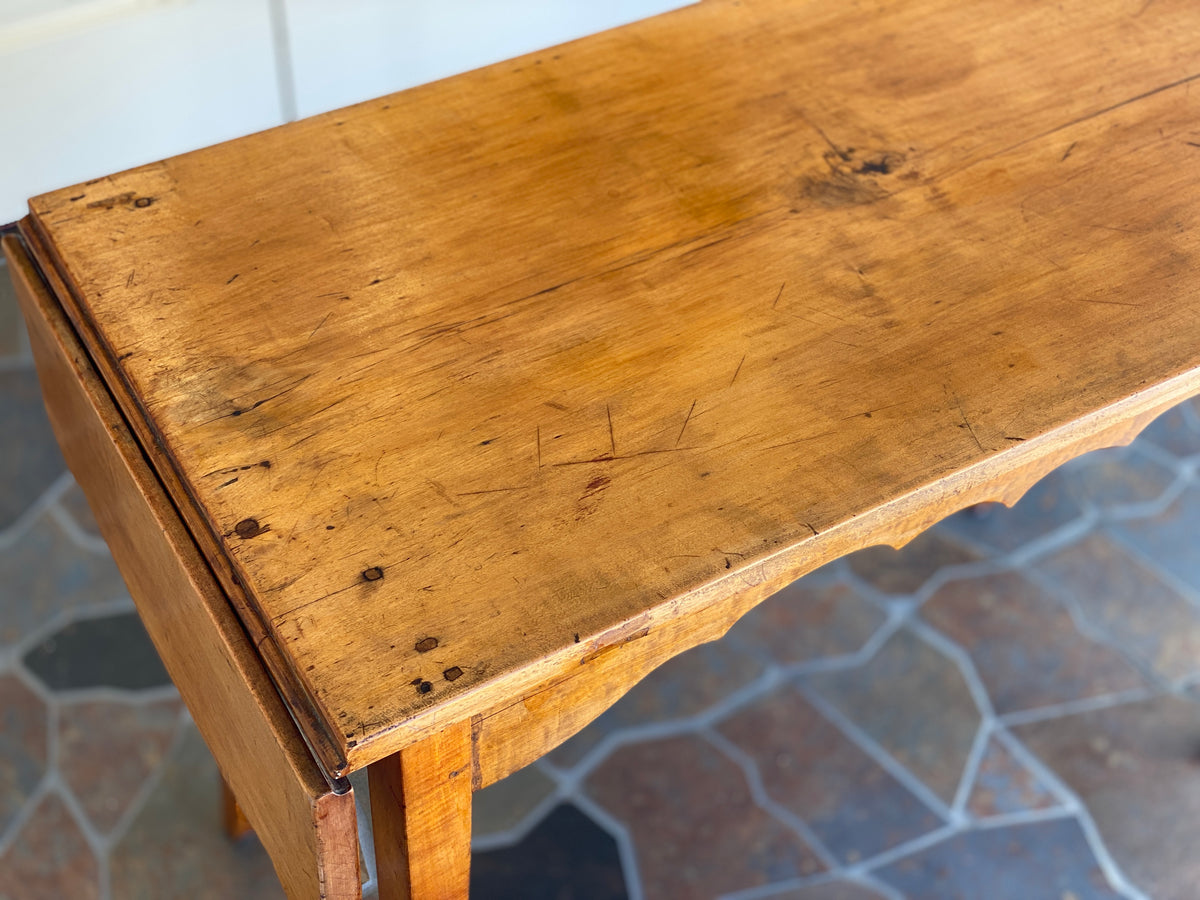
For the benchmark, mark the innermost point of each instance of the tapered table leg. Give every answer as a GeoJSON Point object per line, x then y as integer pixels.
{"type": "Point", "coordinates": [235, 821]}
{"type": "Point", "coordinates": [421, 815]}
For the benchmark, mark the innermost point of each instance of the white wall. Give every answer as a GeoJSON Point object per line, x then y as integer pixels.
{"type": "Point", "coordinates": [95, 86]}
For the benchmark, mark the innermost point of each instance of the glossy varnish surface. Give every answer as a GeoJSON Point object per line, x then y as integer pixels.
{"type": "Point", "coordinates": [488, 379]}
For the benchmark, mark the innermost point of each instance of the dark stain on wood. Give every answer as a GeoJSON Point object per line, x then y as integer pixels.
{"type": "Point", "coordinates": [248, 528]}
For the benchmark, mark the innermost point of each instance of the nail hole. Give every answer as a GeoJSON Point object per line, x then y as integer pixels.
{"type": "Point", "coordinates": [248, 528]}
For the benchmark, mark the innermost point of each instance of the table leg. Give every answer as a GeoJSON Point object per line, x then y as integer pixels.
{"type": "Point", "coordinates": [421, 816]}
{"type": "Point", "coordinates": [235, 821]}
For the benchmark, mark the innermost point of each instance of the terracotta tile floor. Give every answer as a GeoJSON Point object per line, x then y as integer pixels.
{"type": "Point", "coordinates": [1005, 709]}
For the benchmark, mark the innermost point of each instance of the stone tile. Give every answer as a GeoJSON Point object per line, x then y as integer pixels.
{"type": "Point", "coordinates": [107, 750]}
{"type": "Point", "coordinates": [23, 743]}
{"type": "Point", "coordinates": [1004, 785]}
{"type": "Point", "coordinates": [10, 315]}
{"type": "Point", "coordinates": [1047, 506]}
{"type": "Point", "coordinates": [45, 573]}
{"type": "Point", "coordinates": [914, 701]}
{"type": "Point", "coordinates": [855, 807]}
{"type": "Point", "coordinates": [29, 456]}
{"type": "Point", "coordinates": [76, 506]}
{"type": "Point", "coordinates": [903, 571]}
{"type": "Point", "coordinates": [1042, 861]}
{"type": "Point", "coordinates": [50, 858]}
{"type": "Point", "coordinates": [1024, 643]}
{"type": "Point", "coordinates": [807, 621]}
{"type": "Point", "coordinates": [1169, 538]}
{"type": "Point", "coordinates": [684, 686]}
{"type": "Point", "coordinates": [1135, 767]}
{"type": "Point", "coordinates": [566, 857]}
{"type": "Point", "coordinates": [110, 651]}
{"type": "Point", "coordinates": [504, 804]}
{"type": "Point", "coordinates": [697, 830]}
{"type": "Point", "coordinates": [175, 847]}
{"type": "Point", "coordinates": [1130, 603]}
{"type": "Point", "coordinates": [1120, 476]}
{"type": "Point", "coordinates": [1172, 432]}
{"type": "Point", "coordinates": [830, 890]}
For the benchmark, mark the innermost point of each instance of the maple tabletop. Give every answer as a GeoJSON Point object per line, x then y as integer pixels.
{"type": "Point", "coordinates": [471, 383]}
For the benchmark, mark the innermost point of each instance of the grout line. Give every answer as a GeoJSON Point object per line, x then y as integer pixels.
{"type": "Point", "coordinates": [23, 524]}
{"type": "Point", "coordinates": [1024, 817]}
{"type": "Point", "coordinates": [1108, 865]}
{"type": "Point", "coordinates": [1170, 579]}
{"type": "Point", "coordinates": [758, 793]}
{"type": "Point", "coordinates": [1094, 631]}
{"type": "Point", "coordinates": [857, 735]}
{"type": "Point", "coordinates": [150, 784]}
{"type": "Point", "coordinates": [1154, 452]}
{"type": "Point", "coordinates": [980, 568]}
{"type": "Point", "coordinates": [872, 882]}
{"type": "Point", "coordinates": [626, 851]}
{"type": "Point", "coordinates": [772, 677]}
{"type": "Point", "coordinates": [1073, 707]}
{"type": "Point", "coordinates": [514, 834]}
{"type": "Point", "coordinates": [1044, 773]}
{"type": "Point", "coordinates": [1067, 533]}
{"type": "Point", "coordinates": [962, 659]}
{"type": "Point", "coordinates": [1145, 509]}
{"type": "Point", "coordinates": [970, 773]}
{"type": "Point", "coordinates": [651, 731]}
{"type": "Point", "coordinates": [127, 696]}
{"type": "Point", "coordinates": [1190, 414]}
{"type": "Point", "coordinates": [21, 818]}
{"type": "Point", "coordinates": [93, 839]}
{"type": "Point", "coordinates": [908, 848]}
{"type": "Point", "coordinates": [81, 539]}
{"type": "Point", "coordinates": [1075, 805]}
{"type": "Point", "coordinates": [777, 888]}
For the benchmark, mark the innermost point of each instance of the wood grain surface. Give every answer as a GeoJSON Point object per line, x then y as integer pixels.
{"type": "Point", "coordinates": [469, 387]}
{"type": "Point", "coordinates": [308, 829]}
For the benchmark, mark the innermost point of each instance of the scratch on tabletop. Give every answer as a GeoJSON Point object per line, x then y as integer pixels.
{"type": "Point", "coordinates": [685, 423]}
{"type": "Point", "coordinates": [539, 446]}
{"type": "Point", "coordinates": [780, 294]}
{"type": "Point", "coordinates": [1105, 302]}
{"type": "Point", "coordinates": [1078, 120]}
{"type": "Point", "coordinates": [608, 458]}
{"type": "Point", "coordinates": [319, 324]}
{"type": "Point", "coordinates": [966, 421]}
{"type": "Point", "coordinates": [612, 438]}
{"type": "Point", "coordinates": [737, 370]}
{"type": "Point", "coordinates": [1068, 153]}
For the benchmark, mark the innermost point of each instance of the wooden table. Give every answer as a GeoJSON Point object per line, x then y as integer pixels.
{"type": "Point", "coordinates": [424, 429]}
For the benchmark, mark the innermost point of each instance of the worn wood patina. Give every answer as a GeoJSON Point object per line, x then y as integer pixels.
{"type": "Point", "coordinates": [485, 398]}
